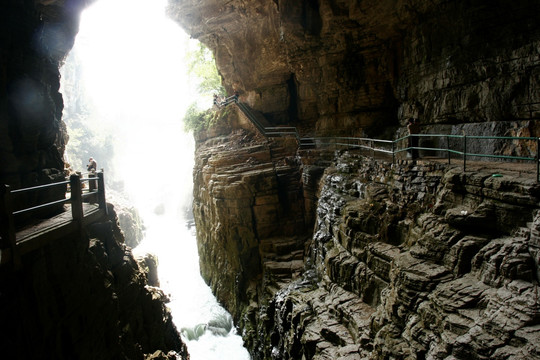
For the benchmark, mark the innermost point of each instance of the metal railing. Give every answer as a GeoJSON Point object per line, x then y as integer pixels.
{"type": "Point", "coordinates": [461, 147]}
{"type": "Point", "coordinates": [94, 192]}
{"type": "Point", "coordinates": [464, 147]}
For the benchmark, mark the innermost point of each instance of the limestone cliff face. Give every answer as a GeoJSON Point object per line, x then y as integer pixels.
{"type": "Point", "coordinates": [247, 197]}
{"type": "Point", "coordinates": [361, 67]}
{"type": "Point", "coordinates": [405, 260]}
{"type": "Point", "coordinates": [414, 261]}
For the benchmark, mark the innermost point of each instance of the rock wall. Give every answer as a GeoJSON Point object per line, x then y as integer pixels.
{"type": "Point", "coordinates": [407, 260]}
{"type": "Point", "coordinates": [247, 201]}
{"type": "Point", "coordinates": [35, 38]}
{"type": "Point", "coordinates": [84, 298]}
{"type": "Point", "coordinates": [364, 67]}
{"type": "Point", "coordinates": [413, 261]}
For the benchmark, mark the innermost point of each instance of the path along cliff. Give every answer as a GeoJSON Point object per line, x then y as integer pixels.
{"type": "Point", "coordinates": [324, 255]}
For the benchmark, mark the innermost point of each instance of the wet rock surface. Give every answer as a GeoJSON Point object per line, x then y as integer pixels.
{"type": "Point", "coordinates": [399, 276]}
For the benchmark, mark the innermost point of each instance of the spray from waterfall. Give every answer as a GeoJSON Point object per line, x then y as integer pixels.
{"type": "Point", "coordinates": [128, 69]}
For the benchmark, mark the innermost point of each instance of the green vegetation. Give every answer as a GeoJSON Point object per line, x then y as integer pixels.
{"type": "Point", "coordinates": [202, 66]}
{"type": "Point", "coordinates": [199, 120]}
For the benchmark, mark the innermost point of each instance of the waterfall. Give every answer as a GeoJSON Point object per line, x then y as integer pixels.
{"type": "Point", "coordinates": [126, 77]}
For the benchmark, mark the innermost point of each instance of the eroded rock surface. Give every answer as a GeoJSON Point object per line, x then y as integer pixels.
{"type": "Point", "coordinates": [364, 67]}
{"type": "Point", "coordinates": [414, 261]}
{"type": "Point", "coordinates": [407, 260]}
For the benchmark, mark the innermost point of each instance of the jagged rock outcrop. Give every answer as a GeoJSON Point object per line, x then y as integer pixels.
{"type": "Point", "coordinates": [85, 298]}
{"type": "Point", "coordinates": [415, 261]}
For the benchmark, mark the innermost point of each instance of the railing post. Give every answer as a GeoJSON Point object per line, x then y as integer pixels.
{"type": "Point", "coordinates": [393, 152]}
{"type": "Point", "coordinates": [101, 191]}
{"type": "Point", "coordinates": [448, 148]}
{"type": "Point", "coordinates": [76, 198]}
{"type": "Point", "coordinates": [464, 153]}
{"type": "Point", "coordinates": [537, 159]}
{"type": "Point", "coordinates": [8, 226]}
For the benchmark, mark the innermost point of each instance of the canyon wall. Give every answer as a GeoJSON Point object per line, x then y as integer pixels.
{"type": "Point", "coordinates": [35, 38]}
{"type": "Point", "coordinates": [411, 260]}
{"type": "Point", "coordinates": [364, 67]}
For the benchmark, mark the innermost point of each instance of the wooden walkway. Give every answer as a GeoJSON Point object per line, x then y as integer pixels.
{"type": "Point", "coordinates": [31, 237]}
{"type": "Point", "coordinates": [77, 213]}
{"type": "Point", "coordinates": [34, 236]}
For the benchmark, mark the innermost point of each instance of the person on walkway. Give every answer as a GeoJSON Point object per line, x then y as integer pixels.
{"type": "Point", "coordinates": [414, 128]}
{"type": "Point", "coordinates": [92, 165]}
{"type": "Point", "coordinates": [216, 100]}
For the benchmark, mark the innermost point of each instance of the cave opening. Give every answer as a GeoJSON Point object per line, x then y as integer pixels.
{"type": "Point", "coordinates": [126, 88]}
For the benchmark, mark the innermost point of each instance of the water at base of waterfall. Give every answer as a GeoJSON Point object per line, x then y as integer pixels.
{"type": "Point", "coordinates": [206, 327]}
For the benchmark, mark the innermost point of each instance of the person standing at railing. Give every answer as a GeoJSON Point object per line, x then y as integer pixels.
{"type": "Point", "coordinates": [414, 128]}
{"type": "Point", "coordinates": [92, 165]}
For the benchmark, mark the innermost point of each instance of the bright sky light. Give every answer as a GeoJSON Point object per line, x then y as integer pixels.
{"type": "Point", "coordinates": [140, 56]}
{"type": "Point", "coordinates": [133, 70]}
{"type": "Point", "coordinates": [133, 74]}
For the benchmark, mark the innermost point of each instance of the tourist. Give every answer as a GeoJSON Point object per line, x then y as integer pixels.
{"type": "Point", "coordinates": [92, 165]}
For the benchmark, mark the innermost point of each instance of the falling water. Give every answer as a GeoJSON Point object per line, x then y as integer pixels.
{"type": "Point", "coordinates": [133, 77]}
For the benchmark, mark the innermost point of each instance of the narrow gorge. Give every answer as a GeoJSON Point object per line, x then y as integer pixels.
{"type": "Point", "coordinates": [317, 252]}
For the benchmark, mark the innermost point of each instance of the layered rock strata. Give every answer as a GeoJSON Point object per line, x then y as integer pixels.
{"type": "Point", "coordinates": [414, 261]}
{"type": "Point", "coordinates": [364, 67]}
{"type": "Point", "coordinates": [405, 262]}
{"type": "Point", "coordinates": [248, 209]}
{"type": "Point", "coordinates": [408, 260]}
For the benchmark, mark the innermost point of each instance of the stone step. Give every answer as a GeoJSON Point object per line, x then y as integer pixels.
{"type": "Point", "coordinates": [293, 255]}
{"type": "Point", "coordinates": [284, 267]}
{"type": "Point", "coordinates": [280, 245]}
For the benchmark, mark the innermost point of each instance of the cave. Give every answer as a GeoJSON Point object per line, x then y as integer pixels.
{"type": "Point", "coordinates": [338, 249]}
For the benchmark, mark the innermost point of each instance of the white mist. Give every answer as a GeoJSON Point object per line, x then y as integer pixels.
{"type": "Point", "coordinates": [133, 73]}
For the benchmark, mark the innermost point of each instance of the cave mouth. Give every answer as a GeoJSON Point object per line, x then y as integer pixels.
{"type": "Point", "coordinates": [126, 88]}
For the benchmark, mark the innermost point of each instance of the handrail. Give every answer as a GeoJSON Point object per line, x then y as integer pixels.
{"type": "Point", "coordinates": [7, 214]}
{"type": "Point", "coordinates": [40, 206]}
{"type": "Point", "coordinates": [39, 187]}
{"type": "Point", "coordinates": [395, 149]}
